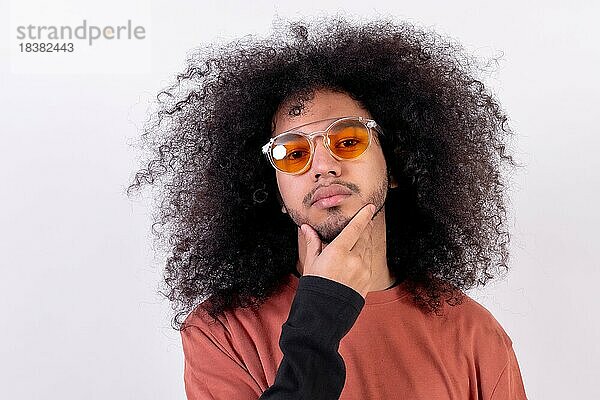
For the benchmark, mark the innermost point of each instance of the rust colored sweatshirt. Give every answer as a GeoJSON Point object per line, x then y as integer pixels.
{"type": "Point", "coordinates": [319, 339]}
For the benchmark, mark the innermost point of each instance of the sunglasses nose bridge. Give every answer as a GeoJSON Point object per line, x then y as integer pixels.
{"type": "Point", "coordinates": [322, 158]}
{"type": "Point", "coordinates": [324, 139]}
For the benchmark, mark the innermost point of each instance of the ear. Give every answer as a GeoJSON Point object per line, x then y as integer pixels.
{"type": "Point", "coordinates": [392, 182]}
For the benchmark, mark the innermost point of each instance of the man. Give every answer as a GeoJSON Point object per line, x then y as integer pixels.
{"type": "Point", "coordinates": [340, 275]}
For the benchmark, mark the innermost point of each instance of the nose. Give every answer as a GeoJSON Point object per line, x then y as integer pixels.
{"type": "Point", "coordinates": [323, 162]}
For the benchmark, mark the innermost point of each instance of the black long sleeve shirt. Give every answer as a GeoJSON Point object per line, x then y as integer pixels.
{"type": "Point", "coordinates": [322, 313]}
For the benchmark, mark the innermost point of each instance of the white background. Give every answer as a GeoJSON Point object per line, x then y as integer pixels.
{"type": "Point", "coordinates": [79, 312]}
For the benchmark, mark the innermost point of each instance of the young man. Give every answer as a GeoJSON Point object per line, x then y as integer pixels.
{"type": "Point", "coordinates": [331, 264]}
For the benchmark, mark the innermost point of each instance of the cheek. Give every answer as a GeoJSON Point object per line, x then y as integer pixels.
{"type": "Point", "coordinates": [380, 163]}
{"type": "Point", "coordinates": [285, 187]}
{"type": "Point", "coordinates": [292, 190]}
{"type": "Point", "coordinates": [375, 167]}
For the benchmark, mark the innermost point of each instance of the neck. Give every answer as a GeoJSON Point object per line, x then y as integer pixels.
{"type": "Point", "coordinates": [381, 277]}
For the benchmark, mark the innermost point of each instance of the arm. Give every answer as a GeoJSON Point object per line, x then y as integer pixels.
{"type": "Point", "coordinates": [321, 316]}
{"type": "Point", "coordinates": [322, 313]}
{"type": "Point", "coordinates": [328, 300]}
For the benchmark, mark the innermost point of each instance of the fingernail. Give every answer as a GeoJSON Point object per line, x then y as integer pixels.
{"type": "Point", "coordinates": [373, 208]}
{"type": "Point", "coordinates": [303, 230]}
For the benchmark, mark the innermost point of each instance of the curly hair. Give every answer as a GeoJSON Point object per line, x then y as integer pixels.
{"type": "Point", "coordinates": [445, 143]}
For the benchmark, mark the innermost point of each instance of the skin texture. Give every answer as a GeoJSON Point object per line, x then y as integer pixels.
{"type": "Point", "coordinates": [218, 211]}
{"type": "Point", "coordinates": [365, 176]}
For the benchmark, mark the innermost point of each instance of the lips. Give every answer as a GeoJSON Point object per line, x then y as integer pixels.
{"type": "Point", "coordinates": [329, 191]}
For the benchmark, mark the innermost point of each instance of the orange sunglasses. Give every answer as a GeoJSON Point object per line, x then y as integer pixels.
{"type": "Point", "coordinates": [346, 138]}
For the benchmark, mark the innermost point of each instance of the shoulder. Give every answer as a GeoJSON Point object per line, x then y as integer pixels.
{"type": "Point", "coordinates": [245, 338]}
{"type": "Point", "coordinates": [479, 317]}
{"type": "Point", "coordinates": [271, 310]}
{"type": "Point", "coordinates": [223, 355]}
{"type": "Point", "coordinates": [477, 329]}
{"type": "Point", "coordinates": [489, 349]}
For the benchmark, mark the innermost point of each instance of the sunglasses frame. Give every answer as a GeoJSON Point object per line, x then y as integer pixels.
{"type": "Point", "coordinates": [368, 123]}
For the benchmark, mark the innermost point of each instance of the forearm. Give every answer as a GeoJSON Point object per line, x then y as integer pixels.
{"type": "Point", "coordinates": [322, 313]}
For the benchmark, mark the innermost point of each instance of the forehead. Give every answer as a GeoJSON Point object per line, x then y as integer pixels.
{"type": "Point", "coordinates": [323, 106]}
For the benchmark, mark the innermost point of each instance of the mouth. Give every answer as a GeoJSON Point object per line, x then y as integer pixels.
{"type": "Point", "coordinates": [330, 201]}
{"type": "Point", "coordinates": [330, 195]}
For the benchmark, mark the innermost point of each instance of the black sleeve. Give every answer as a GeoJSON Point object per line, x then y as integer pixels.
{"type": "Point", "coordinates": [322, 313]}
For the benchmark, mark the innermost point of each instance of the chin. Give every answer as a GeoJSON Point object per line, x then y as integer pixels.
{"type": "Point", "coordinates": [330, 227]}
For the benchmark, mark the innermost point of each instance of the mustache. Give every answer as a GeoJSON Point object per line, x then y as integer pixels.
{"type": "Point", "coordinates": [307, 199]}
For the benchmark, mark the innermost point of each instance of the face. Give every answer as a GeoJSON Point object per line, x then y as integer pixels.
{"type": "Point", "coordinates": [364, 180]}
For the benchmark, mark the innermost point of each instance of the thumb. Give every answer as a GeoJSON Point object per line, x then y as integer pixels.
{"type": "Point", "coordinates": [313, 244]}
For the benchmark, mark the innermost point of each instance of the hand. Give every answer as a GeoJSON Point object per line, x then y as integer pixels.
{"type": "Point", "coordinates": [347, 259]}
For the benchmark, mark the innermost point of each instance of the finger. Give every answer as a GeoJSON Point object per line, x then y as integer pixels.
{"type": "Point", "coordinates": [312, 242]}
{"type": "Point", "coordinates": [350, 234]}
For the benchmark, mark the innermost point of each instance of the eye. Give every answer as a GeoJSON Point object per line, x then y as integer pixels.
{"type": "Point", "coordinates": [347, 143]}
{"type": "Point", "coordinates": [297, 154]}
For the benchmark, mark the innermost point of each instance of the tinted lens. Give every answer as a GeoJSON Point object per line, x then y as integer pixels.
{"type": "Point", "coordinates": [348, 138]}
{"type": "Point", "coordinates": [290, 152]}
